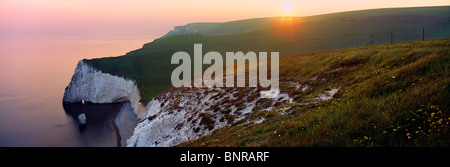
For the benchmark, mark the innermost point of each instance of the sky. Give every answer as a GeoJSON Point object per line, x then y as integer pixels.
{"type": "Point", "coordinates": [155, 18]}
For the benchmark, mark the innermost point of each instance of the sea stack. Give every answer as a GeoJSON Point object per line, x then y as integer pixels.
{"type": "Point", "coordinates": [82, 119]}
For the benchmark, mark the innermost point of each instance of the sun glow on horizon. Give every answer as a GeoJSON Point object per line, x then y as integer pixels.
{"type": "Point", "coordinates": [155, 18]}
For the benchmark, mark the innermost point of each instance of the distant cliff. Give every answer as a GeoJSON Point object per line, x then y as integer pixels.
{"type": "Point", "coordinates": [186, 29]}
{"type": "Point", "coordinates": [221, 28]}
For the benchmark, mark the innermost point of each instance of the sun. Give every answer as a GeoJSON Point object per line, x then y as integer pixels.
{"type": "Point", "coordinates": [288, 8]}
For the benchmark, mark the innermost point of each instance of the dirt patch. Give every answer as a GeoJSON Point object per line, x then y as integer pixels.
{"type": "Point", "coordinates": [351, 63]}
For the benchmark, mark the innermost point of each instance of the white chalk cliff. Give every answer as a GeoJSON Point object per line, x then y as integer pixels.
{"type": "Point", "coordinates": [182, 114]}
{"type": "Point", "coordinates": [92, 85]}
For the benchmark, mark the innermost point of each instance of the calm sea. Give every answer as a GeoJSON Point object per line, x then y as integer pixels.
{"type": "Point", "coordinates": [34, 72]}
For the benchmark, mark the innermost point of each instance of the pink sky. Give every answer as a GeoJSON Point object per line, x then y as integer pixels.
{"type": "Point", "coordinates": [155, 18]}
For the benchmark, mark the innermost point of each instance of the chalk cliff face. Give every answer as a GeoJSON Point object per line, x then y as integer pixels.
{"type": "Point", "coordinates": [92, 85]}
{"type": "Point", "coordinates": [182, 114]}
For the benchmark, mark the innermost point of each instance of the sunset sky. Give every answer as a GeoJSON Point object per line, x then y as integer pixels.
{"type": "Point", "coordinates": [155, 18]}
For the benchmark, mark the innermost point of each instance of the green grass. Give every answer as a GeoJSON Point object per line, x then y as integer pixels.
{"type": "Point", "coordinates": [390, 95]}
{"type": "Point", "coordinates": [150, 66]}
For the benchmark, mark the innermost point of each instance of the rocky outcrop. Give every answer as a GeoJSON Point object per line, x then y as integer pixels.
{"type": "Point", "coordinates": [82, 119]}
{"type": "Point", "coordinates": [91, 85]}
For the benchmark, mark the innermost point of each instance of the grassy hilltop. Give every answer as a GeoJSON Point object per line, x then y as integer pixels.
{"type": "Point", "coordinates": [150, 66]}
{"type": "Point", "coordinates": [389, 95]}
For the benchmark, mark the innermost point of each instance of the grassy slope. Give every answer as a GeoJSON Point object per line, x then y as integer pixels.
{"type": "Point", "coordinates": [248, 25]}
{"type": "Point", "coordinates": [150, 66]}
{"type": "Point", "coordinates": [390, 95]}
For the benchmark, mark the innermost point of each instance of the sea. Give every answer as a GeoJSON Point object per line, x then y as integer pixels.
{"type": "Point", "coordinates": [34, 71]}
